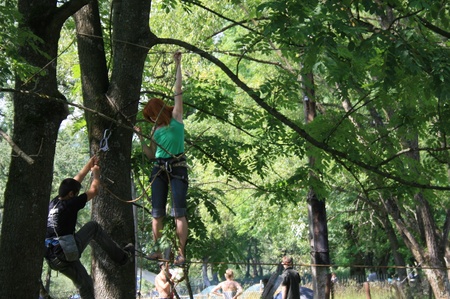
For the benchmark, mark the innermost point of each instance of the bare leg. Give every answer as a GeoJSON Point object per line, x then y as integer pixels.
{"type": "Point", "coordinates": [157, 226]}
{"type": "Point", "coordinates": [182, 233]}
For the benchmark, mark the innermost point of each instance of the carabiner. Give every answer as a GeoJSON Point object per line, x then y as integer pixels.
{"type": "Point", "coordinates": [104, 142]}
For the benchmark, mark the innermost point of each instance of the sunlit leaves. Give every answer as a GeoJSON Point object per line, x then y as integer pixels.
{"type": "Point", "coordinates": [11, 63]}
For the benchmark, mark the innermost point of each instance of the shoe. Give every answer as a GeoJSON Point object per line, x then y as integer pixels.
{"type": "Point", "coordinates": [129, 254]}
{"type": "Point", "coordinates": [179, 261]}
{"type": "Point", "coordinates": [155, 255]}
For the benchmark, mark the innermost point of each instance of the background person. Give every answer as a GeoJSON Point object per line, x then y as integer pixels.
{"type": "Point", "coordinates": [334, 278]}
{"type": "Point", "coordinates": [231, 289]}
{"type": "Point", "coordinates": [164, 282]}
{"type": "Point", "coordinates": [372, 277]}
{"type": "Point", "coordinates": [290, 284]}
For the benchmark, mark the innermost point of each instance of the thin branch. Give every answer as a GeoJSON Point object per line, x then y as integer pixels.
{"type": "Point", "coordinates": [15, 148]}
{"type": "Point", "coordinates": [412, 150]}
{"type": "Point", "coordinates": [61, 100]}
{"type": "Point", "coordinates": [233, 25]}
{"type": "Point", "coordinates": [403, 17]}
{"type": "Point", "coordinates": [255, 59]}
{"type": "Point", "coordinates": [222, 119]}
{"type": "Point", "coordinates": [445, 231]}
{"type": "Point", "coordinates": [197, 3]}
{"type": "Point", "coordinates": [434, 28]}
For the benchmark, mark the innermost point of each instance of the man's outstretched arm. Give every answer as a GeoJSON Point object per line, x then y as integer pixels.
{"type": "Point", "coordinates": [86, 168]}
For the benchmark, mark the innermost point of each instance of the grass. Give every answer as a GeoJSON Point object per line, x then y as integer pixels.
{"type": "Point", "coordinates": [378, 290]}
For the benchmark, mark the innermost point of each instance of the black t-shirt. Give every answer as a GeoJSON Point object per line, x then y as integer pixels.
{"type": "Point", "coordinates": [291, 279]}
{"type": "Point", "coordinates": [62, 215]}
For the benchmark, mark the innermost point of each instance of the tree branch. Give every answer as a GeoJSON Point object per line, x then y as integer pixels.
{"type": "Point", "coordinates": [219, 15]}
{"type": "Point", "coordinates": [254, 94]}
{"type": "Point", "coordinates": [434, 28]}
{"type": "Point", "coordinates": [15, 148]}
{"type": "Point", "coordinates": [66, 10]}
{"type": "Point", "coordinates": [233, 25]}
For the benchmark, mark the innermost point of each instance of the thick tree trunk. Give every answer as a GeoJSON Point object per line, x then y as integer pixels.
{"type": "Point", "coordinates": [434, 265]}
{"type": "Point", "coordinates": [431, 257]}
{"type": "Point", "coordinates": [319, 244]}
{"type": "Point", "coordinates": [27, 194]}
{"type": "Point", "coordinates": [36, 123]}
{"type": "Point", "coordinates": [433, 261]}
{"type": "Point", "coordinates": [316, 210]}
{"type": "Point", "coordinates": [118, 99]}
{"type": "Point", "coordinates": [431, 264]}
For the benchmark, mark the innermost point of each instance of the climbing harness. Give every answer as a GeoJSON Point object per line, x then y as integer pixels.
{"type": "Point", "coordinates": [167, 165]}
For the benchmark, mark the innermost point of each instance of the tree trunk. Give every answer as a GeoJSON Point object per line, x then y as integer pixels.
{"type": "Point", "coordinates": [205, 278]}
{"type": "Point", "coordinates": [319, 244]}
{"type": "Point", "coordinates": [118, 99]}
{"type": "Point", "coordinates": [429, 257]}
{"type": "Point", "coordinates": [36, 123]}
{"type": "Point", "coordinates": [399, 260]}
{"type": "Point", "coordinates": [433, 262]}
{"type": "Point", "coordinates": [434, 265]}
{"type": "Point", "coordinates": [316, 209]}
{"type": "Point", "coordinates": [395, 246]}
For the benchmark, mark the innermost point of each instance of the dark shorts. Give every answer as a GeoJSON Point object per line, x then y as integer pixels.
{"type": "Point", "coordinates": [175, 178]}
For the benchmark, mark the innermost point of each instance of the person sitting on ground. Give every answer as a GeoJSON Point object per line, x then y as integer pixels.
{"type": "Point", "coordinates": [64, 246]}
{"type": "Point", "coordinates": [231, 289]}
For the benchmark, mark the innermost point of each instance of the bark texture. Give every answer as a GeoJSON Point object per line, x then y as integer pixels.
{"type": "Point", "coordinates": [317, 214]}
{"type": "Point", "coordinates": [116, 97]}
{"type": "Point", "coordinates": [37, 117]}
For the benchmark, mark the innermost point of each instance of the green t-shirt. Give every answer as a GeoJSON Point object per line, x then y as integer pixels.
{"type": "Point", "coordinates": [170, 139]}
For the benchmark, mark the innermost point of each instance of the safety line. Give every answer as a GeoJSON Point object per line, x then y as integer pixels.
{"type": "Point", "coordinates": [319, 265]}
{"type": "Point", "coordinates": [194, 52]}
{"type": "Point", "coordinates": [118, 198]}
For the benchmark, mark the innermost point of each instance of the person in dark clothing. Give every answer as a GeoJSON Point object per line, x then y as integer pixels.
{"type": "Point", "coordinates": [64, 246]}
{"type": "Point", "coordinates": [290, 284]}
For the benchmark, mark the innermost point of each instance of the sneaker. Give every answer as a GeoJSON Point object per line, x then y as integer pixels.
{"type": "Point", "coordinates": [155, 255]}
{"type": "Point", "coordinates": [179, 261]}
